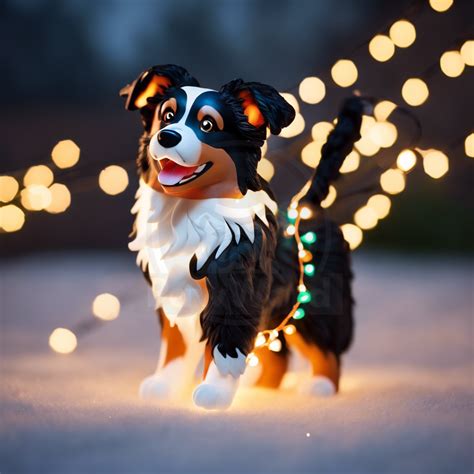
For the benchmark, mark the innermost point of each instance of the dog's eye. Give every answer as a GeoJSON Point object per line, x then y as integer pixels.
{"type": "Point", "coordinates": [207, 125]}
{"type": "Point", "coordinates": [168, 115]}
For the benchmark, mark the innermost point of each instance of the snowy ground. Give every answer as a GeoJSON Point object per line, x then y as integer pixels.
{"type": "Point", "coordinates": [406, 404]}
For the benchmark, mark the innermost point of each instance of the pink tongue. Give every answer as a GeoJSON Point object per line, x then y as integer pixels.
{"type": "Point", "coordinates": [172, 173]}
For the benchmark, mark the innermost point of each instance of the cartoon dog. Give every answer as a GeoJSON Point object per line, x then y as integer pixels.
{"type": "Point", "coordinates": [212, 245]}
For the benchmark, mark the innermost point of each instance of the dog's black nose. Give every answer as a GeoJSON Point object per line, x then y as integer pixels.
{"type": "Point", "coordinates": [168, 138]}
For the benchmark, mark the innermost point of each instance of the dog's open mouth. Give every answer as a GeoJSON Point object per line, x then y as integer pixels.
{"type": "Point", "coordinates": [174, 174]}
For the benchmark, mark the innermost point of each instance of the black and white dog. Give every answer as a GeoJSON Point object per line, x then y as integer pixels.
{"type": "Point", "coordinates": [212, 245]}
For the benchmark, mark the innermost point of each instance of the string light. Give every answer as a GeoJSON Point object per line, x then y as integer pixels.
{"type": "Point", "coordinates": [344, 73]}
{"type": "Point", "coordinates": [312, 90]}
{"type": "Point", "coordinates": [309, 238]}
{"type": "Point", "coordinates": [415, 92]}
{"type": "Point", "coordinates": [260, 341]}
{"type": "Point", "coordinates": [467, 53]}
{"type": "Point", "coordinates": [40, 174]}
{"type": "Point", "coordinates": [321, 130]}
{"type": "Point", "coordinates": [402, 33]}
{"type": "Point", "coordinates": [275, 345]}
{"type": "Point", "coordinates": [392, 181]}
{"type": "Point", "coordinates": [406, 160]}
{"type": "Point", "coordinates": [306, 213]}
{"type": "Point", "coordinates": [12, 218]}
{"type": "Point", "coordinates": [63, 341]}
{"type": "Point", "coordinates": [383, 134]}
{"type": "Point", "coordinates": [351, 163]}
{"type": "Point", "coordinates": [352, 235]}
{"type": "Point", "coordinates": [106, 307]}
{"type": "Point", "coordinates": [265, 169]}
{"type": "Point", "coordinates": [8, 188]}
{"type": "Point", "coordinates": [441, 5]}
{"type": "Point", "coordinates": [469, 145]}
{"type": "Point", "coordinates": [299, 314]}
{"type": "Point", "coordinates": [435, 163]}
{"type": "Point", "coordinates": [113, 180]}
{"type": "Point", "coordinates": [65, 154]}
{"type": "Point", "coordinates": [309, 269]}
{"type": "Point", "coordinates": [452, 63]}
{"type": "Point", "coordinates": [290, 329]}
{"type": "Point", "coordinates": [60, 199]}
{"type": "Point", "coordinates": [380, 204]}
{"type": "Point", "coordinates": [365, 218]}
{"type": "Point", "coordinates": [311, 154]}
{"type": "Point", "coordinates": [330, 198]}
{"type": "Point", "coordinates": [381, 48]}
{"type": "Point", "coordinates": [295, 128]}
{"type": "Point", "coordinates": [383, 109]}
{"type": "Point", "coordinates": [252, 360]}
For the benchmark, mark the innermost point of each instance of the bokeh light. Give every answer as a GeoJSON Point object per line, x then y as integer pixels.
{"type": "Point", "coordinates": [292, 100]}
{"type": "Point", "coordinates": [452, 63]}
{"type": "Point", "coordinates": [12, 218]}
{"type": "Point", "coordinates": [265, 169]}
{"type": "Point", "coordinates": [65, 154]}
{"type": "Point", "coordinates": [381, 48]}
{"type": "Point", "coordinates": [393, 181]}
{"type": "Point", "coordinates": [435, 163]}
{"type": "Point", "coordinates": [351, 163]}
{"type": "Point", "coordinates": [441, 5]}
{"type": "Point", "coordinates": [36, 197]}
{"type": "Point", "coordinates": [406, 160]}
{"type": "Point", "coordinates": [312, 90]}
{"type": "Point", "coordinates": [106, 306]}
{"type": "Point", "coordinates": [383, 110]}
{"type": "Point", "coordinates": [60, 199]}
{"type": "Point", "coordinates": [113, 180]}
{"type": "Point", "coordinates": [352, 235]}
{"type": "Point", "coordinates": [366, 218]}
{"type": "Point", "coordinates": [311, 154]}
{"type": "Point", "coordinates": [275, 345]}
{"type": "Point", "coordinates": [380, 204]}
{"type": "Point", "coordinates": [403, 33]}
{"type": "Point", "coordinates": [321, 130]}
{"type": "Point", "coordinates": [467, 53]}
{"type": "Point", "coordinates": [63, 340]}
{"type": "Point", "coordinates": [383, 134]}
{"type": "Point", "coordinates": [415, 92]}
{"type": "Point", "coordinates": [469, 145]}
{"type": "Point", "coordinates": [252, 360]}
{"type": "Point", "coordinates": [8, 188]}
{"type": "Point", "coordinates": [330, 198]}
{"type": "Point", "coordinates": [365, 146]}
{"type": "Point", "coordinates": [40, 174]}
{"type": "Point", "coordinates": [295, 128]}
{"type": "Point", "coordinates": [344, 73]}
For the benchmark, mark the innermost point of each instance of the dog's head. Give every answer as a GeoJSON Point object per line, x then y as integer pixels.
{"type": "Point", "coordinates": [201, 142]}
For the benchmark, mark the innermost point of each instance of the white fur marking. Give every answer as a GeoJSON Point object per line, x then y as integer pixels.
{"type": "Point", "coordinates": [319, 386]}
{"type": "Point", "coordinates": [228, 365]}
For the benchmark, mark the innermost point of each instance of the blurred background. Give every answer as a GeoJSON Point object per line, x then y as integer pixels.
{"type": "Point", "coordinates": [65, 61]}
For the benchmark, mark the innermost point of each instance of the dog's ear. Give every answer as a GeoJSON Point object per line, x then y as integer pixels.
{"type": "Point", "coordinates": [152, 84]}
{"type": "Point", "coordinates": [261, 104]}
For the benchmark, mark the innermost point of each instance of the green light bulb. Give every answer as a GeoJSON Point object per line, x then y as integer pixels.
{"type": "Point", "coordinates": [299, 314]}
{"type": "Point", "coordinates": [309, 238]}
{"type": "Point", "coordinates": [304, 297]}
{"type": "Point", "coordinates": [309, 269]}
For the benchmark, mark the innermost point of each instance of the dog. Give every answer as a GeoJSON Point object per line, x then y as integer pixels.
{"type": "Point", "coordinates": [212, 244]}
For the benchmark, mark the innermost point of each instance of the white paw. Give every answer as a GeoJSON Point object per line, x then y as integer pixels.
{"type": "Point", "coordinates": [155, 387]}
{"type": "Point", "coordinates": [319, 386]}
{"type": "Point", "coordinates": [227, 364]}
{"type": "Point", "coordinates": [213, 397]}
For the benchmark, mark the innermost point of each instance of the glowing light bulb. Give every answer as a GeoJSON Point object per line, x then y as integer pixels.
{"type": "Point", "coordinates": [309, 269]}
{"type": "Point", "coordinates": [311, 154]}
{"type": "Point", "coordinates": [260, 340]}
{"type": "Point", "coordinates": [381, 48]}
{"type": "Point", "coordinates": [106, 306]}
{"type": "Point", "coordinates": [295, 128]}
{"type": "Point", "coordinates": [383, 110]}
{"type": "Point", "coordinates": [352, 235]}
{"type": "Point", "coordinates": [299, 314]}
{"type": "Point", "coordinates": [265, 169]}
{"type": "Point", "coordinates": [252, 360]}
{"type": "Point", "coordinates": [366, 218]}
{"type": "Point", "coordinates": [383, 134]}
{"type": "Point", "coordinates": [113, 180]}
{"type": "Point", "coordinates": [365, 146]}
{"type": "Point", "coordinates": [309, 238]}
{"type": "Point", "coordinates": [415, 92]}
{"type": "Point", "coordinates": [60, 198]}
{"type": "Point", "coordinates": [304, 297]}
{"type": "Point", "coordinates": [435, 163]}
{"type": "Point", "coordinates": [380, 204]}
{"type": "Point", "coordinates": [351, 163]}
{"type": "Point", "coordinates": [290, 230]}
{"type": "Point", "coordinates": [40, 174]}
{"type": "Point", "coordinates": [312, 90]}
{"type": "Point", "coordinates": [406, 160]}
{"type": "Point", "coordinates": [403, 33]}
{"type": "Point", "coordinates": [290, 329]}
{"type": "Point", "coordinates": [8, 188]}
{"type": "Point", "coordinates": [63, 340]}
{"type": "Point", "coordinates": [441, 5]}
{"type": "Point", "coordinates": [344, 73]}
{"type": "Point", "coordinates": [469, 145]}
{"type": "Point", "coordinates": [12, 218]}
{"type": "Point", "coordinates": [452, 63]}
{"type": "Point", "coordinates": [275, 345]}
{"type": "Point", "coordinates": [321, 130]}
{"type": "Point", "coordinates": [292, 214]}
{"type": "Point", "coordinates": [305, 213]}
{"type": "Point", "coordinates": [65, 154]}
{"type": "Point", "coordinates": [330, 198]}
{"type": "Point", "coordinates": [467, 53]}
{"type": "Point", "coordinates": [273, 335]}
{"type": "Point", "coordinates": [301, 288]}
{"type": "Point", "coordinates": [393, 181]}
{"type": "Point", "coordinates": [292, 100]}
{"type": "Point", "coordinates": [36, 197]}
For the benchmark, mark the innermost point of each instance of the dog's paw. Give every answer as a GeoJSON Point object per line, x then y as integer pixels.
{"type": "Point", "coordinates": [155, 387]}
{"type": "Point", "coordinates": [212, 396]}
{"type": "Point", "coordinates": [319, 386]}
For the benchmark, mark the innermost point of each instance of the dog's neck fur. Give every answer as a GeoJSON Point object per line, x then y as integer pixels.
{"type": "Point", "coordinates": [170, 231]}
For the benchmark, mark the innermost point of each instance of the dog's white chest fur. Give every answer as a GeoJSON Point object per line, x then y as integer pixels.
{"type": "Point", "coordinates": [171, 230]}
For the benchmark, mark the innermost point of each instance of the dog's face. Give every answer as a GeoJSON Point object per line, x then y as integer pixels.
{"type": "Point", "coordinates": [204, 143]}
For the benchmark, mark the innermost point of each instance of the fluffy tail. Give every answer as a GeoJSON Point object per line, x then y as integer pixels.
{"type": "Point", "coordinates": [339, 144]}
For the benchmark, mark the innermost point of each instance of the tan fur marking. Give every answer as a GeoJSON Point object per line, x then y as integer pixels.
{"type": "Point", "coordinates": [274, 366]}
{"type": "Point", "coordinates": [176, 346]}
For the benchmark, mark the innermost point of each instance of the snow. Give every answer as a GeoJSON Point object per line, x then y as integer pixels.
{"type": "Point", "coordinates": [406, 403]}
